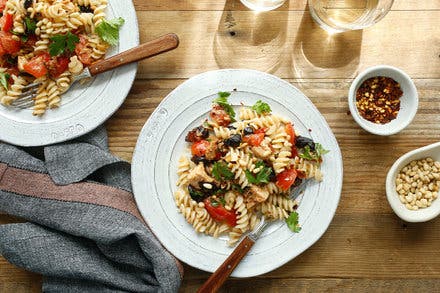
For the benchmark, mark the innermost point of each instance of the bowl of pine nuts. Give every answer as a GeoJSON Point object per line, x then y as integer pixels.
{"type": "Point", "coordinates": [383, 100]}
{"type": "Point", "coordinates": [413, 184]}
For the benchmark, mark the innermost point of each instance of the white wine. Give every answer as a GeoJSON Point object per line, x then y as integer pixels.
{"type": "Point", "coordinates": [262, 5]}
{"type": "Point", "coordinates": [343, 15]}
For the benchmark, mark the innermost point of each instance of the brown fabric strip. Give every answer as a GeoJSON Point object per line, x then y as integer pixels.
{"type": "Point", "coordinates": [41, 185]}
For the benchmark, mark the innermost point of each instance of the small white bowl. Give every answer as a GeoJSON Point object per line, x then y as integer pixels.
{"type": "Point", "coordinates": [408, 102]}
{"type": "Point", "coordinates": [420, 215]}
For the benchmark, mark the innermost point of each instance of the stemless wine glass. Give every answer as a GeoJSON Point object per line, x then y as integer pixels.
{"type": "Point", "coordinates": [262, 5]}
{"type": "Point", "coordinates": [342, 15]}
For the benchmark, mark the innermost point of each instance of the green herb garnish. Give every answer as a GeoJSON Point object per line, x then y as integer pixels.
{"type": "Point", "coordinates": [292, 222]}
{"type": "Point", "coordinates": [63, 43]}
{"type": "Point", "coordinates": [4, 79]}
{"type": "Point", "coordinates": [222, 101]}
{"type": "Point", "coordinates": [31, 25]}
{"type": "Point", "coordinates": [315, 155]}
{"type": "Point", "coordinates": [263, 176]}
{"type": "Point", "coordinates": [237, 188]}
{"type": "Point", "coordinates": [261, 107]}
{"type": "Point", "coordinates": [221, 172]}
{"type": "Point", "coordinates": [108, 31]}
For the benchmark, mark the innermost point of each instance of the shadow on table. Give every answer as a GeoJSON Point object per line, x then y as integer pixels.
{"type": "Point", "coordinates": [248, 39]}
{"type": "Point", "coordinates": [319, 54]}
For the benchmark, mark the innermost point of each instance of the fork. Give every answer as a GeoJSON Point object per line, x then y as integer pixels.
{"type": "Point", "coordinates": [217, 279]}
{"type": "Point", "coordinates": [149, 49]}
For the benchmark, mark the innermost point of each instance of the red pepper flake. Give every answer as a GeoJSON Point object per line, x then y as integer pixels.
{"type": "Point", "coordinates": [378, 99]}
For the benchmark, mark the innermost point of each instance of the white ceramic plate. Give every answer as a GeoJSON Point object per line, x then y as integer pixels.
{"type": "Point", "coordinates": [162, 141]}
{"type": "Point", "coordinates": [83, 107]}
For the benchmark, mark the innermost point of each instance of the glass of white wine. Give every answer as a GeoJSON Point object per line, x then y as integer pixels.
{"type": "Point", "coordinates": [343, 15]}
{"type": "Point", "coordinates": [262, 5]}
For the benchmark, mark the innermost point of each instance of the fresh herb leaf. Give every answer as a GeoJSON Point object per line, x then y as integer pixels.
{"type": "Point", "coordinates": [63, 43]}
{"type": "Point", "coordinates": [222, 200]}
{"type": "Point", "coordinates": [108, 31]}
{"type": "Point", "coordinates": [31, 25]}
{"type": "Point", "coordinates": [224, 94]}
{"type": "Point", "coordinates": [315, 155]}
{"type": "Point", "coordinates": [214, 203]}
{"type": "Point", "coordinates": [221, 172]}
{"type": "Point", "coordinates": [261, 107]}
{"type": "Point", "coordinates": [292, 222]}
{"type": "Point", "coordinates": [222, 100]}
{"type": "Point", "coordinates": [4, 79]}
{"type": "Point", "coordinates": [237, 188]}
{"type": "Point", "coordinates": [263, 176]}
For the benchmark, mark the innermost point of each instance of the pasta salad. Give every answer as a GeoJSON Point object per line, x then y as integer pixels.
{"type": "Point", "coordinates": [49, 42]}
{"type": "Point", "coordinates": [239, 168]}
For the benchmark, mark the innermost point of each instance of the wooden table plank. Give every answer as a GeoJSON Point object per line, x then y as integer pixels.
{"type": "Point", "coordinates": [292, 47]}
{"type": "Point", "coordinates": [209, 5]}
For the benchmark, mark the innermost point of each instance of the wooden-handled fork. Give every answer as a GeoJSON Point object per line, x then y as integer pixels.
{"type": "Point", "coordinates": [149, 49]}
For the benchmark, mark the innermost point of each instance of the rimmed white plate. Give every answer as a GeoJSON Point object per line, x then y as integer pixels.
{"type": "Point", "coordinates": [161, 143]}
{"type": "Point", "coordinates": [83, 107]}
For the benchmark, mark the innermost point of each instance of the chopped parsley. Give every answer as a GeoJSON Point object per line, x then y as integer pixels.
{"type": "Point", "coordinates": [315, 155]}
{"type": "Point", "coordinates": [108, 30]}
{"type": "Point", "coordinates": [261, 107]}
{"type": "Point", "coordinates": [63, 43]}
{"type": "Point", "coordinates": [221, 172]}
{"type": "Point", "coordinates": [31, 25]}
{"type": "Point", "coordinates": [263, 176]}
{"type": "Point", "coordinates": [292, 222]}
{"type": "Point", "coordinates": [222, 101]}
{"type": "Point", "coordinates": [4, 79]}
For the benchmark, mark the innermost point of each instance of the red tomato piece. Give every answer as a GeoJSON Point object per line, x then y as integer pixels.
{"type": "Point", "coordinates": [2, 5]}
{"type": "Point", "coordinates": [286, 178]}
{"type": "Point", "coordinates": [57, 66]}
{"type": "Point", "coordinates": [260, 130]}
{"type": "Point", "coordinates": [199, 148]}
{"type": "Point", "coordinates": [83, 52]}
{"type": "Point", "coordinates": [254, 139]}
{"type": "Point", "coordinates": [219, 115]}
{"type": "Point", "coordinates": [2, 51]}
{"type": "Point", "coordinates": [291, 132]}
{"type": "Point", "coordinates": [220, 214]}
{"type": "Point", "coordinates": [8, 21]}
{"type": "Point", "coordinates": [9, 45]}
{"type": "Point", "coordinates": [36, 66]}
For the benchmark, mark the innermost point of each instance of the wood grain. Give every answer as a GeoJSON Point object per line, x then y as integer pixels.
{"type": "Point", "coordinates": [366, 248]}
{"type": "Point", "coordinates": [291, 47]}
{"type": "Point", "coordinates": [210, 5]}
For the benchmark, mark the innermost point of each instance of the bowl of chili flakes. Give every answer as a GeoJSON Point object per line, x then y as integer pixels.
{"type": "Point", "coordinates": [383, 100]}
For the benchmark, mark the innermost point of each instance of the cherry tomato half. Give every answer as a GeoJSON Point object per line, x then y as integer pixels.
{"type": "Point", "coordinates": [36, 66]}
{"type": "Point", "coordinates": [57, 66]}
{"type": "Point", "coordinates": [199, 148]}
{"type": "Point", "coordinates": [291, 132]}
{"type": "Point", "coordinates": [9, 45]}
{"type": "Point", "coordinates": [254, 139]}
{"type": "Point", "coordinates": [220, 214]}
{"type": "Point", "coordinates": [286, 178]}
{"type": "Point", "coordinates": [2, 5]}
{"type": "Point", "coordinates": [8, 20]}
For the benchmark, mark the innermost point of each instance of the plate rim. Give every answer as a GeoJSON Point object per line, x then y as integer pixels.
{"type": "Point", "coordinates": [72, 124]}
{"type": "Point", "coordinates": [136, 160]}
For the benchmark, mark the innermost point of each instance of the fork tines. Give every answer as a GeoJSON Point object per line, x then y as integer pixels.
{"type": "Point", "coordinates": [29, 92]}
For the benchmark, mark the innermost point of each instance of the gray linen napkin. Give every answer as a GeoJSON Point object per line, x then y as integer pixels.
{"type": "Point", "coordinates": [83, 237]}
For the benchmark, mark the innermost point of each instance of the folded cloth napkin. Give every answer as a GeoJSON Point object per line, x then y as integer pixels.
{"type": "Point", "coordinates": [85, 233]}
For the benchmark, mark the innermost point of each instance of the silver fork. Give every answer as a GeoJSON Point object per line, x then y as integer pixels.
{"type": "Point", "coordinates": [152, 48]}
{"type": "Point", "coordinates": [217, 279]}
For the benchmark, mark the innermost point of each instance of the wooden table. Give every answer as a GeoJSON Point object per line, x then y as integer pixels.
{"type": "Point", "coordinates": [366, 247]}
